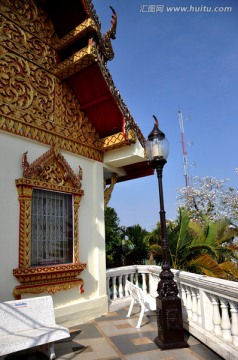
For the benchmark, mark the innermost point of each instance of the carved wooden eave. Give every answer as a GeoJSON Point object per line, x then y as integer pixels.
{"type": "Point", "coordinates": [86, 29]}
{"type": "Point", "coordinates": [76, 62]}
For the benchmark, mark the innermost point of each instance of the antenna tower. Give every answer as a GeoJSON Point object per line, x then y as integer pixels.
{"type": "Point", "coordinates": [185, 158]}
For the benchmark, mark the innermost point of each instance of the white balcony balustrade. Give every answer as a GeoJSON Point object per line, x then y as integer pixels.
{"type": "Point", "coordinates": [210, 305]}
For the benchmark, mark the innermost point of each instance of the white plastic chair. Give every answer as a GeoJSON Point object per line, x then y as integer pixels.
{"type": "Point", "coordinates": [147, 302]}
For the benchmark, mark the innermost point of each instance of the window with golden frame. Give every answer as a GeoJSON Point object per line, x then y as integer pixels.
{"type": "Point", "coordinates": [55, 265]}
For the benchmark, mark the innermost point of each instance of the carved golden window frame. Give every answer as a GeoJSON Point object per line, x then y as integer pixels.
{"type": "Point", "coordinates": [49, 172]}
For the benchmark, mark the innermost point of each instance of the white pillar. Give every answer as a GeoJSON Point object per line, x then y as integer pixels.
{"type": "Point", "coordinates": [225, 321]}
{"type": "Point", "coordinates": [120, 289]}
{"type": "Point", "coordinates": [216, 318]}
{"type": "Point", "coordinates": [234, 322]}
{"type": "Point", "coordinates": [114, 288]}
{"type": "Point", "coordinates": [194, 304]}
{"type": "Point", "coordinates": [189, 302]}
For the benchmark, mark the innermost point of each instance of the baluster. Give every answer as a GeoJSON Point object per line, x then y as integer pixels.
{"type": "Point", "coordinates": [189, 303]}
{"type": "Point", "coordinates": [234, 322]}
{"type": "Point", "coordinates": [136, 279]}
{"type": "Point", "coordinates": [114, 288]}
{"type": "Point", "coordinates": [199, 308]}
{"type": "Point", "coordinates": [150, 284]}
{"type": "Point", "coordinates": [108, 289]}
{"type": "Point", "coordinates": [183, 296]}
{"type": "Point", "coordinates": [126, 288]}
{"type": "Point", "coordinates": [120, 288]}
{"type": "Point", "coordinates": [154, 285]}
{"type": "Point", "coordinates": [179, 286]}
{"type": "Point", "coordinates": [144, 287]}
{"type": "Point", "coordinates": [131, 278]}
{"type": "Point", "coordinates": [216, 318]}
{"type": "Point", "coordinates": [225, 321]}
{"type": "Point", "coordinates": [194, 304]}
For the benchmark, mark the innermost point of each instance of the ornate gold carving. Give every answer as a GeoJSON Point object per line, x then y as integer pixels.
{"type": "Point", "coordinates": [88, 26]}
{"type": "Point", "coordinates": [50, 171]}
{"type": "Point", "coordinates": [132, 135]}
{"type": "Point", "coordinates": [49, 288]}
{"type": "Point", "coordinates": [26, 44]}
{"type": "Point", "coordinates": [89, 7]}
{"type": "Point", "coordinates": [26, 14]}
{"type": "Point", "coordinates": [25, 86]}
{"type": "Point", "coordinates": [25, 195]}
{"type": "Point", "coordinates": [77, 200]}
{"type": "Point", "coordinates": [76, 62]}
{"type": "Point", "coordinates": [39, 275]}
{"type": "Point", "coordinates": [25, 8]}
{"type": "Point", "coordinates": [45, 137]}
{"type": "Point", "coordinates": [28, 56]}
{"type": "Point", "coordinates": [32, 96]}
{"type": "Point", "coordinates": [114, 141]}
{"type": "Point", "coordinates": [52, 168]}
{"type": "Point", "coordinates": [108, 190]}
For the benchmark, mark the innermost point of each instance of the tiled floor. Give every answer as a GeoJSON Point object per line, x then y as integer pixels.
{"type": "Point", "coordinates": [115, 337]}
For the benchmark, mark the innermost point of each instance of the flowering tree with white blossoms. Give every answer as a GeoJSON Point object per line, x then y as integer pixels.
{"type": "Point", "coordinates": [209, 197]}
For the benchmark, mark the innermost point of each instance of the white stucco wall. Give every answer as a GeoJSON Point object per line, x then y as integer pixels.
{"type": "Point", "coordinates": [69, 305]}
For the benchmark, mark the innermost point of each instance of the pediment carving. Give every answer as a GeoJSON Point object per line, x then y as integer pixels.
{"type": "Point", "coordinates": [52, 168]}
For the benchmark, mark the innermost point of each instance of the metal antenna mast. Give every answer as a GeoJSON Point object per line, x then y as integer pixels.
{"type": "Point", "coordinates": [185, 158]}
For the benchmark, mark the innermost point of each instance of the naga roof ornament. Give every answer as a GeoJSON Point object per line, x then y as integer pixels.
{"type": "Point", "coordinates": [103, 42]}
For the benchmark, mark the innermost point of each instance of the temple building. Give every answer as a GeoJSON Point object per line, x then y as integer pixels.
{"type": "Point", "coordinates": [66, 139]}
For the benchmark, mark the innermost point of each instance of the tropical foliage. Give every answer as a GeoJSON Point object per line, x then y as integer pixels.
{"type": "Point", "coordinates": [124, 246]}
{"type": "Point", "coordinates": [136, 245]}
{"type": "Point", "coordinates": [113, 237]}
{"type": "Point", "coordinates": [202, 246]}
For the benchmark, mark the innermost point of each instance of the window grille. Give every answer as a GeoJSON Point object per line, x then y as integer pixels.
{"type": "Point", "coordinates": [51, 228]}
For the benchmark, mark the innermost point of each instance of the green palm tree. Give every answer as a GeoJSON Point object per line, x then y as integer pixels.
{"type": "Point", "coordinates": [153, 240]}
{"type": "Point", "coordinates": [136, 245]}
{"type": "Point", "coordinates": [204, 247]}
{"type": "Point", "coordinates": [219, 258]}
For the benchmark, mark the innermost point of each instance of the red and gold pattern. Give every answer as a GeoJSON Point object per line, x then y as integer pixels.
{"type": "Point", "coordinates": [31, 132]}
{"type": "Point", "coordinates": [34, 102]}
{"type": "Point", "coordinates": [50, 288]}
{"type": "Point", "coordinates": [50, 171]}
{"type": "Point", "coordinates": [118, 140]}
{"type": "Point", "coordinates": [76, 62]}
{"type": "Point", "coordinates": [41, 274]}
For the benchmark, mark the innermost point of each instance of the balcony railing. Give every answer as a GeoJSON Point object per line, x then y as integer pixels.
{"type": "Point", "coordinates": [209, 305]}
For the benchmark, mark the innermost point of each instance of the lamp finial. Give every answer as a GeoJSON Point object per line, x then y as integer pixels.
{"type": "Point", "coordinates": [156, 120]}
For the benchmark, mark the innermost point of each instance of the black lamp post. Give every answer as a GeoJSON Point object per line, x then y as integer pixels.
{"type": "Point", "coordinates": [168, 304]}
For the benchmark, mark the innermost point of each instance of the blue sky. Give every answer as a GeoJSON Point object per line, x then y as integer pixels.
{"type": "Point", "coordinates": [165, 61]}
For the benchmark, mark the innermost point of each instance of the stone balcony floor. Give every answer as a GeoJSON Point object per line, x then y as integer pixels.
{"type": "Point", "coordinates": [114, 337]}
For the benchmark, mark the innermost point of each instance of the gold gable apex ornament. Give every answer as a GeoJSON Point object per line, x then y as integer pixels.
{"type": "Point", "coordinates": [51, 169]}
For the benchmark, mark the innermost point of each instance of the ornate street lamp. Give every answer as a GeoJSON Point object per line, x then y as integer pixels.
{"type": "Point", "coordinates": [168, 304]}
